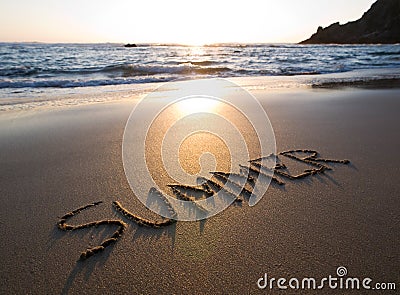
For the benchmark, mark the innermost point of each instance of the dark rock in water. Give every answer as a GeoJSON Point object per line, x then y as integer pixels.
{"type": "Point", "coordinates": [130, 45]}
{"type": "Point", "coordinates": [380, 24]}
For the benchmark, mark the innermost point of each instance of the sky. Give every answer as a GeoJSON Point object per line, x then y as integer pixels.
{"type": "Point", "coordinates": [195, 22]}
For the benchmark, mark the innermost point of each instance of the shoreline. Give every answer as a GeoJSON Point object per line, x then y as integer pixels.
{"type": "Point", "coordinates": [59, 97]}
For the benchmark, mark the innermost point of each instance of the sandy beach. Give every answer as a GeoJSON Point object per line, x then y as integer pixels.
{"type": "Point", "coordinates": [55, 159]}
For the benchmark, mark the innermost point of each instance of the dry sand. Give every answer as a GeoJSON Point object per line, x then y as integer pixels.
{"type": "Point", "coordinates": [55, 160]}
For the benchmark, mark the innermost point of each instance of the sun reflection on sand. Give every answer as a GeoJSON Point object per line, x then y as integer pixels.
{"type": "Point", "coordinates": [196, 104]}
{"type": "Point", "coordinates": [195, 97]}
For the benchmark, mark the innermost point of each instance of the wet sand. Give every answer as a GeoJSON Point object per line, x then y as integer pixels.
{"type": "Point", "coordinates": [58, 159]}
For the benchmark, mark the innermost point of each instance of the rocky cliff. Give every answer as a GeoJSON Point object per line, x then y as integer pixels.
{"type": "Point", "coordinates": [380, 24]}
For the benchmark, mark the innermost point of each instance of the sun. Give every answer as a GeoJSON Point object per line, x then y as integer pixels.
{"type": "Point", "coordinates": [195, 41]}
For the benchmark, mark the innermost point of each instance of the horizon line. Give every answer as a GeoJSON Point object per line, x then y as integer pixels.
{"type": "Point", "coordinates": [156, 43]}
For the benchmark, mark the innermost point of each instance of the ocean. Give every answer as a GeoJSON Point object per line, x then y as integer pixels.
{"type": "Point", "coordinates": [29, 67]}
